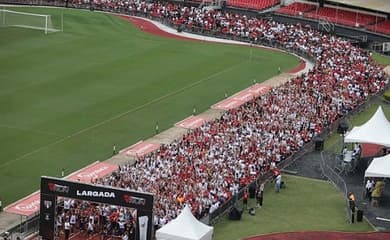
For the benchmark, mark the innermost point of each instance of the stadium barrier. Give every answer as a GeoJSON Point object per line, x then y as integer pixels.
{"type": "Point", "coordinates": [28, 226]}
{"type": "Point", "coordinates": [31, 225]}
{"type": "Point", "coordinates": [336, 179]}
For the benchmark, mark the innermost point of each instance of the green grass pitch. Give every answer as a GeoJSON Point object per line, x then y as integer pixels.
{"type": "Point", "coordinates": [67, 97]}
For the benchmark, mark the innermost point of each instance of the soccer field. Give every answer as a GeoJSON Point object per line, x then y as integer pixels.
{"type": "Point", "coordinates": [67, 97]}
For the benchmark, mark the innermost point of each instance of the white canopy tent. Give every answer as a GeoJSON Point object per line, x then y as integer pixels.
{"type": "Point", "coordinates": [376, 130]}
{"type": "Point", "coordinates": [185, 227]}
{"type": "Point", "coordinates": [379, 167]}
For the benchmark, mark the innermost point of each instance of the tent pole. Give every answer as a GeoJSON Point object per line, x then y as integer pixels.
{"type": "Point", "coordinates": [364, 187]}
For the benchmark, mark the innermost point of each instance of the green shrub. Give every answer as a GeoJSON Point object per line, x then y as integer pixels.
{"type": "Point", "coordinates": [386, 95]}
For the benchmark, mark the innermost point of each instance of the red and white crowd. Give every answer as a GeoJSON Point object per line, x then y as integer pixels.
{"type": "Point", "coordinates": [87, 219]}
{"type": "Point", "coordinates": [210, 164]}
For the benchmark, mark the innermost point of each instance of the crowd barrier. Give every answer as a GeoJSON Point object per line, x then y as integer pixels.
{"type": "Point", "coordinates": [336, 179]}
{"type": "Point", "coordinates": [28, 226]}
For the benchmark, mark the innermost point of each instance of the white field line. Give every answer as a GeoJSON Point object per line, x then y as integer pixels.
{"type": "Point", "coordinates": [29, 130]}
{"type": "Point", "coordinates": [122, 114]}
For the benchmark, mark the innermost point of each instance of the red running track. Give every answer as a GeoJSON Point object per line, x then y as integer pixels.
{"type": "Point", "coordinates": [320, 235]}
{"type": "Point", "coordinates": [149, 27]}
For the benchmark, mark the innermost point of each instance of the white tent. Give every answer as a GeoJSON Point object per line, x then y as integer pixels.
{"type": "Point", "coordinates": [185, 227]}
{"type": "Point", "coordinates": [379, 167]}
{"type": "Point", "coordinates": [376, 130]}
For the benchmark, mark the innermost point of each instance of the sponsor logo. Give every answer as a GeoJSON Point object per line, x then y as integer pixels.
{"type": "Point", "coordinates": [27, 207]}
{"type": "Point", "coordinates": [134, 200]}
{"type": "Point", "coordinates": [102, 194]}
{"type": "Point", "coordinates": [58, 188]}
{"type": "Point", "coordinates": [47, 203]}
{"type": "Point", "coordinates": [93, 174]}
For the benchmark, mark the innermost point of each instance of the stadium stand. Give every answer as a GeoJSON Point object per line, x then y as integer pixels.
{"type": "Point", "coordinates": [296, 8]}
{"type": "Point", "coordinates": [210, 164]}
{"type": "Point", "coordinates": [252, 4]}
{"type": "Point", "coordinates": [343, 17]}
{"type": "Point", "coordinates": [382, 27]}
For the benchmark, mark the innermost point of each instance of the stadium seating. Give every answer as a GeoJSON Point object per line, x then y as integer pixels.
{"type": "Point", "coordinates": [382, 27]}
{"type": "Point", "coordinates": [343, 17]}
{"type": "Point", "coordinates": [209, 165]}
{"type": "Point", "coordinates": [296, 8]}
{"type": "Point", "coordinates": [252, 4]}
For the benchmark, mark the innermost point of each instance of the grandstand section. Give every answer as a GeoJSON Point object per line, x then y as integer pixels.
{"type": "Point", "coordinates": [380, 27]}
{"type": "Point", "coordinates": [364, 26]}
{"type": "Point", "coordinates": [344, 17]}
{"type": "Point", "coordinates": [297, 8]}
{"type": "Point", "coordinates": [252, 4]}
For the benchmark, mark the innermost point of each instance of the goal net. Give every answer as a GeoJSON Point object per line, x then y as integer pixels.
{"type": "Point", "coordinates": [9, 18]}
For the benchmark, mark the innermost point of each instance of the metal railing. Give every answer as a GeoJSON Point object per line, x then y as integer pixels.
{"type": "Point", "coordinates": [331, 162]}
{"type": "Point", "coordinates": [329, 172]}
{"type": "Point", "coordinates": [27, 227]}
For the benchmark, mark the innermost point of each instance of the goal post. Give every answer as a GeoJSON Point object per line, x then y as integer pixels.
{"type": "Point", "coordinates": [11, 18]}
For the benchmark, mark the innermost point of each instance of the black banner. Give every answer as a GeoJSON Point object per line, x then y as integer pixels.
{"type": "Point", "coordinates": [51, 188]}
{"type": "Point", "coordinates": [47, 216]}
{"type": "Point", "coordinates": [97, 193]}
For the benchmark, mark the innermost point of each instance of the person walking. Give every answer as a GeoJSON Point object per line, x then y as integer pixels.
{"type": "Point", "coordinates": [157, 128]}
{"type": "Point", "coordinates": [114, 149]}
{"type": "Point", "coordinates": [278, 182]}
{"type": "Point", "coordinates": [67, 228]}
{"type": "Point", "coordinates": [259, 196]}
{"type": "Point", "coordinates": [245, 199]}
{"type": "Point", "coordinates": [369, 188]}
{"type": "Point", "coordinates": [352, 205]}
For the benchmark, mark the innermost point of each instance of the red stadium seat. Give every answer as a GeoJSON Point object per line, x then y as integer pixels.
{"type": "Point", "coordinates": [252, 4]}
{"type": "Point", "coordinates": [382, 27]}
{"type": "Point", "coordinates": [296, 8]}
{"type": "Point", "coordinates": [343, 17]}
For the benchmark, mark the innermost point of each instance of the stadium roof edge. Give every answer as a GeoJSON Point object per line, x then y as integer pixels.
{"type": "Point", "coordinates": [372, 5]}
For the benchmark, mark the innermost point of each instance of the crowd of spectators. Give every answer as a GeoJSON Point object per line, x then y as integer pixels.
{"type": "Point", "coordinates": [87, 219]}
{"type": "Point", "coordinates": [211, 164]}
